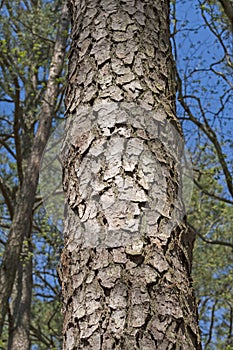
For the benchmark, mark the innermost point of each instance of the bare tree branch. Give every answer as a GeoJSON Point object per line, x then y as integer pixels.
{"type": "Point", "coordinates": [210, 241]}
{"type": "Point", "coordinates": [209, 132]}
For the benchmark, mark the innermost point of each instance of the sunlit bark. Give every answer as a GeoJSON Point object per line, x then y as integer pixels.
{"type": "Point", "coordinates": [127, 259]}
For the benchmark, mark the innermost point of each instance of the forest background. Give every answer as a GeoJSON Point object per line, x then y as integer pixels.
{"type": "Point", "coordinates": [31, 35]}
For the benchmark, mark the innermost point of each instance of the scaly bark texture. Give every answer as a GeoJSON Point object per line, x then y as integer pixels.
{"type": "Point", "coordinates": [125, 268]}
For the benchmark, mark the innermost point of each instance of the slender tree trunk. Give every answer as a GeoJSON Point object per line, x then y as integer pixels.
{"type": "Point", "coordinates": [21, 223]}
{"type": "Point", "coordinates": [20, 310]}
{"type": "Point", "coordinates": [127, 259]}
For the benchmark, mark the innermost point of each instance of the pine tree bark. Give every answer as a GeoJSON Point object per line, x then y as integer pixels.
{"type": "Point", "coordinates": [126, 264]}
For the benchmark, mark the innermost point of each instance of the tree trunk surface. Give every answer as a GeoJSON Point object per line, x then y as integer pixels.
{"type": "Point", "coordinates": [126, 264]}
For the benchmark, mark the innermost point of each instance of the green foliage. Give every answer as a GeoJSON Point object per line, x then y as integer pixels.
{"type": "Point", "coordinates": [46, 324]}
{"type": "Point", "coordinates": [213, 263]}
{"type": "Point", "coordinates": [28, 31]}
{"type": "Point", "coordinates": [46, 306]}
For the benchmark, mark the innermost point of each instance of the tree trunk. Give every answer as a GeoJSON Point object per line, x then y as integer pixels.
{"type": "Point", "coordinates": [20, 309]}
{"type": "Point", "coordinates": [127, 259]}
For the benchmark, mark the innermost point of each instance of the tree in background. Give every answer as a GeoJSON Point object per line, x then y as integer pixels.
{"type": "Point", "coordinates": [31, 89]}
{"type": "Point", "coordinates": [202, 43]}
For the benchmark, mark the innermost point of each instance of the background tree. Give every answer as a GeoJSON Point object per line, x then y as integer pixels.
{"type": "Point", "coordinates": [31, 87]}
{"type": "Point", "coordinates": [204, 70]}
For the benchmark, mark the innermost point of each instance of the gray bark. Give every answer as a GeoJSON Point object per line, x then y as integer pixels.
{"type": "Point", "coordinates": [126, 265]}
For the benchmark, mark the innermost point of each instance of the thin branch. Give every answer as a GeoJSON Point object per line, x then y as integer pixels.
{"type": "Point", "coordinates": [17, 129]}
{"type": "Point", "coordinates": [8, 148]}
{"type": "Point", "coordinates": [41, 337]}
{"type": "Point", "coordinates": [2, 242]}
{"type": "Point", "coordinates": [56, 192]}
{"type": "Point", "coordinates": [5, 192]}
{"type": "Point", "coordinates": [229, 337]}
{"type": "Point", "coordinates": [222, 199]}
{"type": "Point", "coordinates": [210, 241]}
{"type": "Point", "coordinates": [47, 284]}
{"type": "Point", "coordinates": [209, 132]}
{"type": "Point", "coordinates": [35, 34]}
{"type": "Point", "coordinates": [213, 29]}
{"type": "Point", "coordinates": [211, 324]}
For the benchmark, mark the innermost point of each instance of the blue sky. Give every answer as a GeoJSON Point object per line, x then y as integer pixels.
{"type": "Point", "coordinates": [199, 57]}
